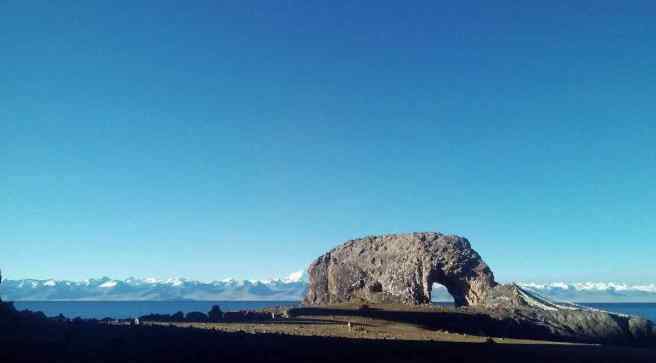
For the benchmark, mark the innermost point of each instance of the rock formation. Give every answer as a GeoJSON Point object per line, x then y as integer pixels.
{"type": "Point", "coordinates": [566, 321]}
{"type": "Point", "coordinates": [402, 268]}
{"type": "Point", "coordinates": [399, 268]}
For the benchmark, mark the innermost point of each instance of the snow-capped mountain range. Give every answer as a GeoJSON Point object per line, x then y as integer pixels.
{"type": "Point", "coordinates": [290, 288]}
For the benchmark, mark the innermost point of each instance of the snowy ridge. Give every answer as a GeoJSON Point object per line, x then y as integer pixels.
{"type": "Point", "coordinates": [536, 300]}
{"type": "Point", "coordinates": [289, 288]}
{"type": "Point", "coordinates": [592, 292]}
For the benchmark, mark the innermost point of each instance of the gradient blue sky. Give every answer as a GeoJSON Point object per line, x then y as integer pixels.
{"type": "Point", "coordinates": [245, 138]}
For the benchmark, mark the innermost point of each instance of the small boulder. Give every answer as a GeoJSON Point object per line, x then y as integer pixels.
{"type": "Point", "coordinates": [178, 317]}
{"type": "Point", "coordinates": [215, 314]}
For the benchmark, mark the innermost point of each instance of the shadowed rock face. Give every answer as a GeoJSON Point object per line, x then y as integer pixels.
{"type": "Point", "coordinates": [567, 320]}
{"type": "Point", "coordinates": [400, 268]}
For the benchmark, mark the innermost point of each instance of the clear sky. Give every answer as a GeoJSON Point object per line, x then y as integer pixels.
{"type": "Point", "coordinates": [245, 138]}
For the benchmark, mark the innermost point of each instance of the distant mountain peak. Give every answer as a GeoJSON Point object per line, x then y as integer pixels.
{"type": "Point", "coordinates": [298, 276]}
{"type": "Point", "coordinates": [109, 284]}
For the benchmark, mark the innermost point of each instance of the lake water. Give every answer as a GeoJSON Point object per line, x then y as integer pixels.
{"type": "Point", "coordinates": [131, 309]}
{"type": "Point", "coordinates": [128, 309]}
{"type": "Point", "coordinates": [646, 310]}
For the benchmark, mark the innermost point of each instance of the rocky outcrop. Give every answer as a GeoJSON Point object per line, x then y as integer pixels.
{"type": "Point", "coordinates": [566, 321]}
{"type": "Point", "coordinates": [399, 268]}
{"type": "Point", "coordinates": [402, 268]}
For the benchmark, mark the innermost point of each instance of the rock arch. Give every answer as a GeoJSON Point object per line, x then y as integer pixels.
{"type": "Point", "coordinates": [400, 268]}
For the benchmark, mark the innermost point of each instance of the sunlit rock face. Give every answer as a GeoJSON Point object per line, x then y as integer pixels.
{"type": "Point", "coordinates": [400, 268]}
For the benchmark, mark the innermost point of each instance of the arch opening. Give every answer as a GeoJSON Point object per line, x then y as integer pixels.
{"type": "Point", "coordinates": [445, 287]}
{"type": "Point", "coordinates": [440, 294]}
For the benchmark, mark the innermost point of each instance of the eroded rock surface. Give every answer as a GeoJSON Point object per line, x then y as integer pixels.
{"type": "Point", "coordinates": [566, 321]}
{"type": "Point", "coordinates": [400, 268]}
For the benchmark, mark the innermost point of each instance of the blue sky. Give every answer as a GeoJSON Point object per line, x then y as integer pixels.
{"type": "Point", "coordinates": [244, 139]}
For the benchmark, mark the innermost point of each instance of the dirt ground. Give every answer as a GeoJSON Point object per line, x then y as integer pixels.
{"type": "Point", "coordinates": [346, 325]}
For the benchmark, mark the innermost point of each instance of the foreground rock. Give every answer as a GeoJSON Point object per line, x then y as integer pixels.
{"type": "Point", "coordinates": [566, 321]}
{"type": "Point", "coordinates": [399, 268]}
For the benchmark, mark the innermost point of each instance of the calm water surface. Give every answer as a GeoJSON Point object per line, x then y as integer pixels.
{"type": "Point", "coordinates": [128, 309]}
{"type": "Point", "coordinates": [646, 310]}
